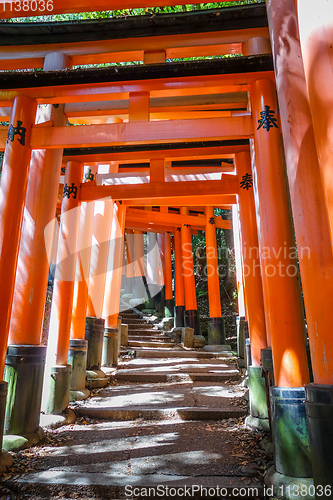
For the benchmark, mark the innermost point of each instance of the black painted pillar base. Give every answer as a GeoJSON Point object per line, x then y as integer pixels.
{"type": "Point", "coordinates": [240, 337]}
{"type": "Point", "coordinates": [3, 395]}
{"type": "Point", "coordinates": [290, 432]}
{"type": "Point", "coordinates": [192, 320]}
{"type": "Point", "coordinates": [139, 287]}
{"type": "Point", "coordinates": [24, 371]}
{"type": "Point", "coordinates": [77, 358]}
{"type": "Point", "coordinates": [179, 313]}
{"type": "Point", "coordinates": [129, 285]}
{"type": "Point", "coordinates": [248, 352]}
{"type": "Point", "coordinates": [159, 301]}
{"type": "Point", "coordinates": [59, 385]}
{"type": "Point", "coordinates": [216, 332]}
{"type": "Point", "coordinates": [94, 335]}
{"type": "Point", "coordinates": [169, 305]}
{"type": "Point", "coordinates": [319, 410]}
{"type": "Point", "coordinates": [146, 288]}
{"type": "Point", "coordinates": [110, 346]}
{"type": "Point", "coordinates": [259, 416]}
{"type": "Point", "coordinates": [154, 291]}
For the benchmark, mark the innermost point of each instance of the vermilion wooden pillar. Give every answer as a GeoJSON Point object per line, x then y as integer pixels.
{"type": "Point", "coordinates": [139, 264]}
{"type": "Point", "coordinates": [112, 331]}
{"type": "Point", "coordinates": [63, 288]}
{"type": "Point", "coordinates": [152, 268]}
{"type": "Point", "coordinates": [99, 256]}
{"type": "Point", "coordinates": [216, 333]}
{"type": "Point", "coordinates": [160, 261]}
{"type": "Point", "coordinates": [40, 209]}
{"type": "Point", "coordinates": [56, 391]}
{"type": "Point", "coordinates": [279, 268]}
{"type": "Point", "coordinates": [310, 193]}
{"type": "Point", "coordinates": [112, 291]}
{"type": "Point", "coordinates": [191, 311]}
{"type": "Point", "coordinates": [179, 281]}
{"type": "Point", "coordinates": [80, 300]}
{"type": "Point", "coordinates": [316, 37]}
{"type": "Point", "coordinates": [13, 188]}
{"type": "Point", "coordinates": [250, 255]}
{"type": "Point", "coordinates": [130, 261]}
{"type": "Point", "coordinates": [169, 302]}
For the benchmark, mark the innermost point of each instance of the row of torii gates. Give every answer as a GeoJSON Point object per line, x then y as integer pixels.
{"type": "Point", "coordinates": [270, 111]}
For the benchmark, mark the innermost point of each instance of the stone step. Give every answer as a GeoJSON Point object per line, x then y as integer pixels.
{"type": "Point", "coordinates": [145, 343]}
{"type": "Point", "coordinates": [137, 321]}
{"type": "Point", "coordinates": [145, 332]}
{"type": "Point", "coordinates": [130, 316]}
{"type": "Point", "coordinates": [134, 322]}
{"type": "Point", "coordinates": [184, 413]}
{"type": "Point", "coordinates": [179, 353]}
{"type": "Point", "coordinates": [160, 377]}
{"type": "Point", "coordinates": [140, 326]}
{"type": "Point", "coordinates": [109, 485]}
{"type": "Point", "coordinates": [151, 338]}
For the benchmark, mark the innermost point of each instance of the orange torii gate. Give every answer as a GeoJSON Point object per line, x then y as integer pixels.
{"type": "Point", "coordinates": [163, 116]}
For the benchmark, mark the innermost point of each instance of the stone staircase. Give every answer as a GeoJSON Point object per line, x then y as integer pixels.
{"type": "Point", "coordinates": [171, 416]}
{"type": "Point", "coordinates": [142, 333]}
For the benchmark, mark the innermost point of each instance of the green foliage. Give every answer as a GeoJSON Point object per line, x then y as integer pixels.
{"type": "Point", "coordinates": [152, 11]}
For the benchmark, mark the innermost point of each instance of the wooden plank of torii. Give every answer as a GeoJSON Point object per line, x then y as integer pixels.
{"type": "Point", "coordinates": [159, 190]}
{"type": "Point", "coordinates": [113, 134]}
{"type": "Point", "coordinates": [219, 201]}
{"type": "Point", "coordinates": [67, 87]}
{"type": "Point", "coordinates": [227, 150]}
{"type": "Point", "coordinates": [173, 219]}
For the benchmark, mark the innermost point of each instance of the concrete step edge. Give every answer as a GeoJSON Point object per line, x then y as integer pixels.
{"type": "Point", "coordinates": [184, 413]}
{"type": "Point", "coordinates": [164, 377]}
{"type": "Point", "coordinates": [107, 486]}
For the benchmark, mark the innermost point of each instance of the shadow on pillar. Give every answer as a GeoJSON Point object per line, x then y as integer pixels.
{"type": "Point", "coordinates": [179, 316]}
{"type": "Point", "coordinates": [192, 320]}
{"type": "Point", "coordinates": [24, 371]}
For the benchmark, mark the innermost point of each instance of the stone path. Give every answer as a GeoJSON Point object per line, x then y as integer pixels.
{"type": "Point", "coordinates": [167, 422]}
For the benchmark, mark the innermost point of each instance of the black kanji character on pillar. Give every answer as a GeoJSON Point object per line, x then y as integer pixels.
{"type": "Point", "coordinates": [89, 176]}
{"type": "Point", "coordinates": [178, 229]}
{"type": "Point", "coordinates": [268, 119]}
{"type": "Point", "coordinates": [211, 220]}
{"type": "Point", "coordinates": [186, 225]}
{"type": "Point", "coordinates": [68, 190]}
{"type": "Point", "coordinates": [246, 182]}
{"type": "Point", "coordinates": [18, 130]}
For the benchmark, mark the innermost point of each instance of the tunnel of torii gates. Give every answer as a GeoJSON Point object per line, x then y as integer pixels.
{"type": "Point", "coordinates": [156, 147]}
